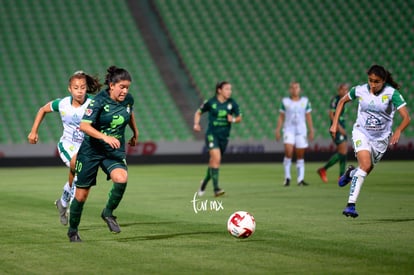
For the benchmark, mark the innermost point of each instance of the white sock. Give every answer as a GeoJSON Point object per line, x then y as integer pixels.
{"type": "Point", "coordinates": [73, 189]}
{"type": "Point", "coordinates": [356, 184]}
{"type": "Point", "coordinates": [300, 167]}
{"type": "Point", "coordinates": [65, 195]}
{"type": "Point", "coordinates": [287, 162]}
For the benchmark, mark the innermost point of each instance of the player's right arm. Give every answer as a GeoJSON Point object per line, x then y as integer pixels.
{"type": "Point", "coordinates": [33, 136]}
{"type": "Point", "coordinates": [197, 117]}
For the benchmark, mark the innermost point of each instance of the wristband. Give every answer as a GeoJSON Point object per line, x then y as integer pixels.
{"type": "Point", "coordinates": [233, 120]}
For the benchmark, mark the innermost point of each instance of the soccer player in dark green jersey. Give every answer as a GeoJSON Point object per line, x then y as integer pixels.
{"type": "Point", "coordinates": [104, 124]}
{"type": "Point", "coordinates": [340, 139]}
{"type": "Point", "coordinates": [223, 112]}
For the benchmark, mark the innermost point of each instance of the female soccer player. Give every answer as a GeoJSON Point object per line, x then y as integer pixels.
{"type": "Point", "coordinates": [104, 125]}
{"type": "Point", "coordinates": [71, 109]}
{"type": "Point", "coordinates": [294, 114]}
{"type": "Point", "coordinates": [372, 132]}
{"type": "Point", "coordinates": [223, 112]}
{"type": "Point", "coordinates": [340, 139]}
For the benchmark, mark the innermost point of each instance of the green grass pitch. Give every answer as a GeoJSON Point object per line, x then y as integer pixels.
{"type": "Point", "coordinates": [300, 230]}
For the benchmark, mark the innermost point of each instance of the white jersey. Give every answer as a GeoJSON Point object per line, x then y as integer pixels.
{"type": "Point", "coordinates": [295, 115]}
{"type": "Point", "coordinates": [71, 118]}
{"type": "Point", "coordinates": [376, 112]}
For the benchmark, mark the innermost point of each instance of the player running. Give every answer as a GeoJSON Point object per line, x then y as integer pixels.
{"type": "Point", "coordinates": [372, 132]}
{"type": "Point", "coordinates": [71, 109]}
{"type": "Point", "coordinates": [104, 125]}
{"type": "Point", "coordinates": [223, 112]}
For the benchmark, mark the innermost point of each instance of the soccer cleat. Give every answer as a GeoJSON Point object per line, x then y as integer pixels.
{"type": "Point", "coordinates": [346, 178]}
{"type": "Point", "coordinates": [74, 237]}
{"type": "Point", "coordinates": [111, 222]}
{"type": "Point", "coordinates": [286, 183]}
{"type": "Point", "coordinates": [219, 193]}
{"type": "Point", "coordinates": [350, 211]}
{"type": "Point", "coordinates": [322, 173]}
{"type": "Point", "coordinates": [62, 212]}
{"type": "Point", "coordinates": [200, 191]}
{"type": "Point", "coordinates": [303, 183]}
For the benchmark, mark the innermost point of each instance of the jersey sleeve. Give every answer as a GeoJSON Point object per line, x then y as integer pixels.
{"type": "Point", "coordinates": [352, 93]}
{"type": "Point", "coordinates": [333, 103]}
{"type": "Point", "coordinates": [236, 109]}
{"type": "Point", "coordinates": [92, 111]}
{"type": "Point", "coordinates": [398, 100]}
{"type": "Point", "coordinates": [308, 106]}
{"type": "Point", "coordinates": [282, 108]}
{"type": "Point", "coordinates": [205, 106]}
{"type": "Point", "coordinates": [54, 105]}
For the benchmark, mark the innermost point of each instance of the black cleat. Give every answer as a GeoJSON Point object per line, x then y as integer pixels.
{"type": "Point", "coordinates": [111, 222]}
{"type": "Point", "coordinates": [303, 183]}
{"type": "Point", "coordinates": [286, 183]}
{"type": "Point", "coordinates": [74, 237]}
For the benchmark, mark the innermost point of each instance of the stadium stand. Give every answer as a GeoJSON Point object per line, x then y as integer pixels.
{"type": "Point", "coordinates": [43, 43]}
{"type": "Point", "coordinates": [259, 46]}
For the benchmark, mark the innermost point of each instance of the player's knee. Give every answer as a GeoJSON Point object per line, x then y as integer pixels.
{"type": "Point", "coordinates": [119, 175]}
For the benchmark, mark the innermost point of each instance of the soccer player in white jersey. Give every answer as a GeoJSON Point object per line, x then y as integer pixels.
{"type": "Point", "coordinates": [372, 132]}
{"type": "Point", "coordinates": [295, 116]}
{"type": "Point", "coordinates": [71, 109]}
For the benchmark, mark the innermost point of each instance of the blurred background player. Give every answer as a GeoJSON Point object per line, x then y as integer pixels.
{"type": "Point", "coordinates": [71, 109]}
{"type": "Point", "coordinates": [294, 115]}
{"type": "Point", "coordinates": [372, 132]}
{"type": "Point", "coordinates": [340, 139]}
{"type": "Point", "coordinates": [223, 112]}
{"type": "Point", "coordinates": [104, 125]}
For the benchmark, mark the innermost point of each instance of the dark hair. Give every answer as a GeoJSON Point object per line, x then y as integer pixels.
{"type": "Point", "coordinates": [385, 75]}
{"type": "Point", "coordinates": [116, 74]}
{"type": "Point", "coordinates": [92, 82]}
{"type": "Point", "coordinates": [220, 85]}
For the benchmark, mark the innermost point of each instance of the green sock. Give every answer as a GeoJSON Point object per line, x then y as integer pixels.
{"type": "Point", "coordinates": [76, 208]}
{"type": "Point", "coordinates": [334, 159]}
{"type": "Point", "coordinates": [206, 179]}
{"type": "Point", "coordinates": [115, 197]}
{"type": "Point", "coordinates": [342, 164]}
{"type": "Point", "coordinates": [214, 177]}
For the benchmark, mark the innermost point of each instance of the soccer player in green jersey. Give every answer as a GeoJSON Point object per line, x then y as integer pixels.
{"type": "Point", "coordinates": [378, 100]}
{"type": "Point", "coordinates": [340, 139]}
{"type": "Point", "coordinates": [223, 112]}
{"type": "Point", "coordinates": [104, 124]}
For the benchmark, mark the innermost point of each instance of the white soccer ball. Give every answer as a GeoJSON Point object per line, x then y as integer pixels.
{"type": "Point", "coordinates": [241, 224]}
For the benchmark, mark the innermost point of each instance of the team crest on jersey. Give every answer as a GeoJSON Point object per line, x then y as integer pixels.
{"type": "Point", "coordinates": [384, 98]}
{"type": "Point", "coordinates": [88, 112]}
{"type": "Point", "coordinates": [128, 109]}
{"type": "Point", "coordinates": [229, 106]}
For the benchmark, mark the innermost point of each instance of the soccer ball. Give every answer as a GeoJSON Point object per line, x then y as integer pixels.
{"type": "Point", "coordinates": [241, 224]}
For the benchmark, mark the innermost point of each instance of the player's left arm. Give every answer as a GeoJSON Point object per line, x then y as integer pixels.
{"type": "Point", "coordinates": [403, 111]}
{"type": "Point", "coordinates": [309, 122]}
{"type": "Point", "coordinates": [133, 125]}
{"type": "Point", "coordinates": [399, 102]}
{"type": "Point", "coordinates": [236, 115]}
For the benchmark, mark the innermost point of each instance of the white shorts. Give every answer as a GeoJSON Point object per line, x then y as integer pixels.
{"type": "Point", "coordinates": [299, 141]}
{"type": "Point", "coordinates": [377, 148]}
{"type": "Point", "coordinates": [67, 150]}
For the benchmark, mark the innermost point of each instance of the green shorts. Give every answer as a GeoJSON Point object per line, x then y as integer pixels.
{"type": "Point", "coordinates": [88, 163]}
{"type": "Point", "coordinates": [339, 138]}
{"type": "Point", "coordinates": [216, 141]}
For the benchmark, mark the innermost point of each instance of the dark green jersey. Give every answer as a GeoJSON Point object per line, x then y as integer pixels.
{"type": "Point", "coordinates": [334, 103]}
{"type": "Point", "coordinates": [217, 117]}
{"type": "Point", "coordinates": [109, 117]}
